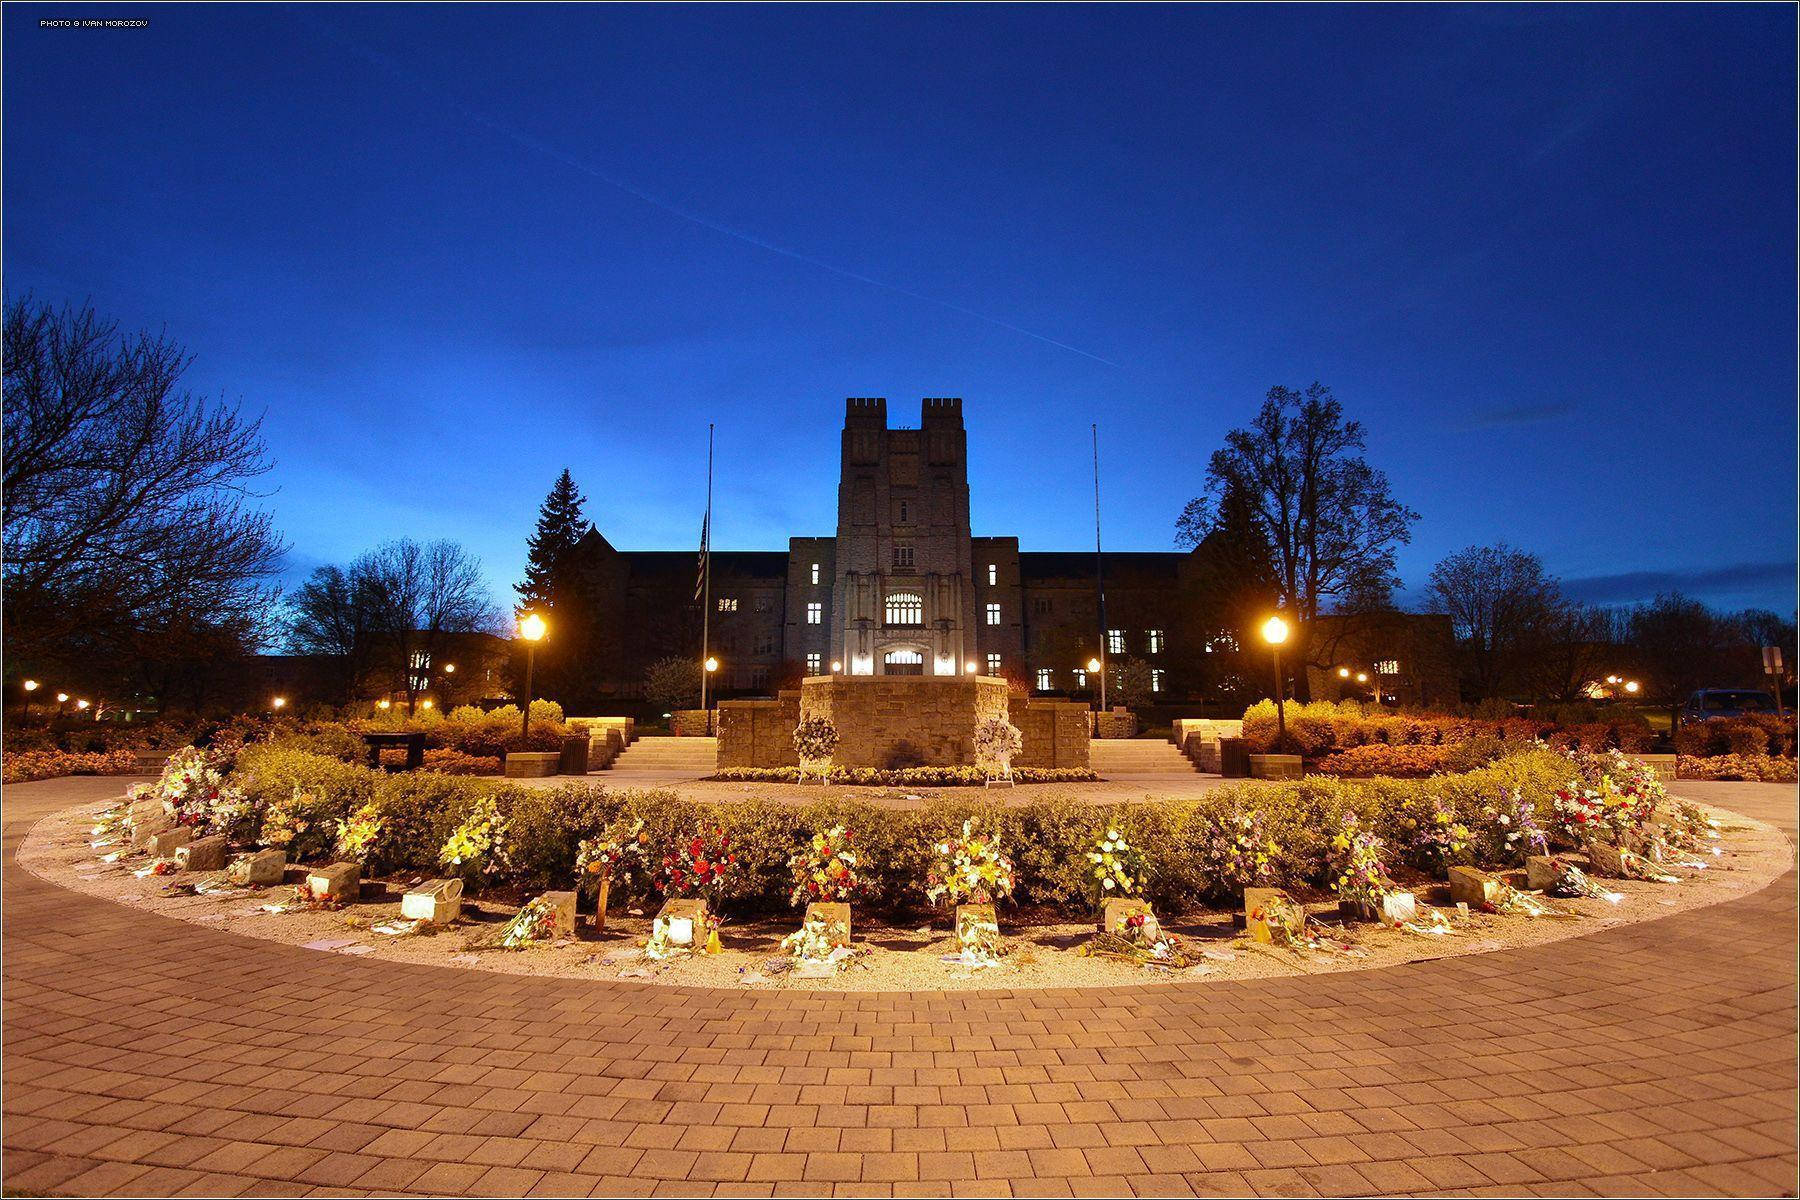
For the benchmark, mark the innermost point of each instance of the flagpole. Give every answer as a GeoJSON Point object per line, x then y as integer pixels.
{"type": "Point", "coordinates": [706, 577]}
{"type": "Point", "coordinates": [1099, 568]}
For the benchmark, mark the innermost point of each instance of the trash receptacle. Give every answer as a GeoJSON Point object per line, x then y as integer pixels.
{"type": "Point", "coordinates": [1234, 758]}
{"type": "Point", "coordinates": [574, 760]}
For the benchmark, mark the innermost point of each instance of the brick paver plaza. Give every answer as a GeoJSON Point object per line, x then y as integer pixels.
{"type": "Point", "coordinates": [149, 1056]}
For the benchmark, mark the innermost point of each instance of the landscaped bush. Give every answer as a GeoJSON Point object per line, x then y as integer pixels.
{"type": "Point", "coordinates": [1320, 729]}
{"type": "Point", "coordinates": [1401, 762]}
{"type": "Point", "coordinates": [1287, 828]}
{"type": "Point", "coordinates": [49, 764]}
{"type": "Point", "coordinates": [455, 762]}
{"type": "Point", "coordinates": [905, 776]}
{"type": "Point", "coordinates": [1756, 768]}
{"type": "Point", "coordinates": [1753, 734]}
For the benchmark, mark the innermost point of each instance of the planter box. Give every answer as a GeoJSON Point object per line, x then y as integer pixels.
{"type": "Point", "coordinates": [338, 883]}
{"type": "Point", "coordinates": [1116, 912]}
{"type": "Point", "coordinates": [261, 869]}
{"type": "Point", "coordinates": [682, 923]}
{"type": "Point", "coordinates": [1396, 909]}
{"type": "Point", "coordinates": [831, 912]}
{"type": "Point", "coordinates": [165, 843]}
{"type": "Point", "coordinates": [206, 854]}
{"type": "Point", "coordinates": [1475, 888]}
{"type": "Point", "coordinates": [436, 902]}
{"type": "Point", "coordinates": [1256, 914]}
{"type": "Point", "coordinates": [1276, 766]}
{"type": "Point", "coordinates": [532, 764]}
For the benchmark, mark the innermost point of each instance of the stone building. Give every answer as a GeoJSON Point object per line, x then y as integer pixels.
{"type": "Point", "coordinates": [903, 588]}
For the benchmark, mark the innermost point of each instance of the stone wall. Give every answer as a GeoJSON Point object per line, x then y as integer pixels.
{"type": "Point", "coordinates": [1198, 739]}
{"type": "Point", "coordinates": [889, 720]}
{"type": "Point", "coordinates": [691, 722]}
{"type": "Point", "coordinates": [1055, 732]}
{"type": "Point", "coordinates": [759, 733]}
{"type": "Point", "coordinates": [1115, 723]}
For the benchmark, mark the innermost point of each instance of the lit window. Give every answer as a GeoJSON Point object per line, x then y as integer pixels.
{"type": "Point", "coordinates": [903, 556]}
{"type": "Point", "coordinates": [1388, 666]}
{"type": "Point", "coordinates": [993, 614]}
{"type": "Point", "coordinates": [815, 573]}
{"type": "Point", "coordinates": [1156, 641]}
{"type": "Point", "coordinates": [1115, 641]}
{"type": "Point", "coordinates": [1156, 679]}
{"type": "Point", "coordinates": [814, 662]}
{"type": "Point", "coordinates": [993, 661]}
{"type": "Point", "coordinates": [815, 612]}
{"type": "Point", "coordinates": [904, 608]}
{"type": "Point", "coordinates": [727, 603]}
{"type": "Point", "coordinates": [993, 574]}
{"type": "Point", "coordinates": [1080, 677]}
{"type": "Point", "coordinates": [1044, 679]}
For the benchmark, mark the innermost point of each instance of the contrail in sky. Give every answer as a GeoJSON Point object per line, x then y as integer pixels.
{"type": "Point", "coordinates": [526, 140]}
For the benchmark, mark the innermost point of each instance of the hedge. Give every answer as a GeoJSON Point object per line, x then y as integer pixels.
{"type": "Point", "coordinates": [905, 776]}
{"type": "Point", "coordinates": [1320, 728]}
{"type": "Point", "coordinates": [1046, 836]}
{"type": "Point", "coordinates": [1755, 768]}
{"type": "Point", "coordinates": [1755, 734]}
{"type": "Point", "coordinates": [50, 764]}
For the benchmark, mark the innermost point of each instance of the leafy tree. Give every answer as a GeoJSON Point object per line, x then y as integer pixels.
{"type": "Point", "coordinates": [1503, 607]}
{"type": "Point", "coordinates": [560, 525]}
{"type": "Point", "coordinates": [1328, 518]}
{"type": "Point", "coordinates": [125, 534]}
{"type": "Point", "coordinates": [673, 683]}
{"type": "Point", "coordinates": [1130, 684]}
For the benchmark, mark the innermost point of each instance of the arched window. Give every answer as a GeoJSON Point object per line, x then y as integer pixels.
{"type": "Point", "coordinates": [903, 662]}
{"type": "Point", "coordinates": [905, 608]}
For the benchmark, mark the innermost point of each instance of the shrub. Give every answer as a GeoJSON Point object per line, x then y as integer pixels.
{"type": "Point", "coordinates": [903, 776]}
{"type": "Point", "coordinates": [1401, 762]}
{"type": "Point", "coordinates": [51, 764]}
{"type": "Point", "coordinates": [1755, 768]}
{"type": "Point", "coordinates": [455, 762]}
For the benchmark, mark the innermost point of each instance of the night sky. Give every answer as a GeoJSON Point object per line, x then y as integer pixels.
{"type": "Point", "coordinates": [1547, 255]}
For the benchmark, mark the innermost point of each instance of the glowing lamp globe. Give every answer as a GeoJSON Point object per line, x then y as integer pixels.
{"type": "Point", "coordinates": [712, 664]}
{"type": "Point", "coordinates": [532, 627]}
{"type": "Point", "coordinates": [1093, 664]}
{"type": "Point", "coordinates": [1275, 631]}
{"type": "Point", "coordinates": [31, 685]}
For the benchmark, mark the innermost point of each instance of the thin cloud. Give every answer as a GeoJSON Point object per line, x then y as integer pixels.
{"type": "Point", "coordinates": [1519, 414]}
{"type": "Point", "coordinates": [529, 142]}
{"type": "Point", "coordinates": [1736, 580]}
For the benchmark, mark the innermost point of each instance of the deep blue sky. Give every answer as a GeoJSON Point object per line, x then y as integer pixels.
{"type": "Point", "coordinates": [1546, 254]}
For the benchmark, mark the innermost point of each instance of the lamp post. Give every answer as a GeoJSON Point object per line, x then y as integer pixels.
{"type": "Point", "coordinates": [712, 666]}
{"type": "Point", "coordinates": [31, 685]}
{"type": "Point", "coordinates": [1275, 632]}
{"type": "Point", "coordinates": [278, 703]}
{"type": "Point", "coordinates": [1093, 666]}
{"type": "Point", "coordinates": [531, 628]}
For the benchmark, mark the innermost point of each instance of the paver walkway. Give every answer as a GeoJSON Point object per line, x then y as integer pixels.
{"type": "Point", "coordinates": [148, 1056]}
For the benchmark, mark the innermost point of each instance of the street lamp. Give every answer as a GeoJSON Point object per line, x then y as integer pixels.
{"type": "Point", "coordinates": [278, 703]}
{"type": "Point", "coordinates": [31, 685]}
{"type": "Point", "coordinates": [1093, 667]}
{"type": "Point", "coordinates": [426, 703]}
{"type": "Point", "coordinates": [1343, 672]}
{"type": "Point", "coordinates": [449, 668]}
{"type": "Point", "coordinates": [1632, 686]}
{"type": "Point", "coordinates": [1275, 632]}
{"type": "Point", "coordinates": [384, 705]}
{"type": "Point", "coordinates": [531, 628]}
{"type": "Point", "coordinates": [711, 664]}
{"type": "Point", "coordinates": [970, 665]}
{"type": "Point", "coordinates": [836, 666]}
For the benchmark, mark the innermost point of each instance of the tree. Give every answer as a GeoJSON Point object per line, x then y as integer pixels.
{"type": "Point", "coordinates": [1682, 646]}
{"type": "Point", "coordinates": [1328, 518]}
{"type": "Point", "coordinates": [125, 532]}
{"type": "Point", "coordinates": [423, 594]}
{"type": "Point", "coordinates": [559, 526]}
{"type": "Point", "coordinates": [1131, 682]}
{"type": "Point", "coordinates": [1581, 645]}
{"type": "Point", "coordinates": [1502, 606]}
{"type": "Point", "coordinates": [673, 683]}
{"type": "Point", "coordinates": [336, 613]}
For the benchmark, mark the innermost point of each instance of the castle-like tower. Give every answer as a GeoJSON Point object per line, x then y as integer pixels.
{"type": "Point", "coordinates": [903, 600]}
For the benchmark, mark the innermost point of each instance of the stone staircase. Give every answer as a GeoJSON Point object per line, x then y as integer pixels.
{"type": "Point", "coordinates": [1132, 759]}
{"type": "Point", "coordinates": [665, 759]}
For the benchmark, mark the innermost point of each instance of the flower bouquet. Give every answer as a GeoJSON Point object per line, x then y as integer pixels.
{"type": "Point", "coordinates": [1117, 869]}
{"type": "Point", "coordinates": [1361, 881]}
{"type": "Point", "coordinates": [477, 847]}
{"type": "Point", "coordinates": [1437, 838]}
{"type": "Point", "coordinates": [542, 919]}
{"type": "Point", "coordinates": [358, 835]}
{"type": "Point", "coordinates": [1238, 851]}
{"type": "Point", "coordinates": [1511, 832]}
{"type": "Point", "coordinates": [694, 870]}
{"type": "Point", "coordinates": [815, 741]}
{"type": "Point", "coordinates": [617, 854]}
{"type": "Point", "coordinates": [1140, 939]}
{"type": "Point", "coordinates": [997, 742]}
{"type": "Point", "coordinates": [824, 870]}
{"type": "Point", "coordinates": [970, 872]}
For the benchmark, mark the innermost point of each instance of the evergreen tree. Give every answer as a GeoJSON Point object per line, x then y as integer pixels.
{"type": "Point", "coordinates": [559, 526]}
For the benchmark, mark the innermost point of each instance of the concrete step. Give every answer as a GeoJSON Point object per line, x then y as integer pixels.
{"type": "Point", "coordinates": [1136, 757]}
{"type": "Point", "coordinates": [689, 757]}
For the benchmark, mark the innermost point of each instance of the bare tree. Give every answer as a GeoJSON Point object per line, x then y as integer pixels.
{"type": "Point", "coordinates": [1682, 646]}
{"type": "Point", "coordinates": [1502, 606]}
{"type": "Point", "coordinates": [1327, 516]}
{"type": "Point", "coordinates": [336, 613]}
{"type": "Point", "coordinates": [1582, 645]}
{"type": "Point", "coordinates": [423, 595]}
{"type": "Point", "coordinates": [124, 496]}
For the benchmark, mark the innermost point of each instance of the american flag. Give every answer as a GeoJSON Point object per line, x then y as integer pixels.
{"type": "Point", "coordinates": [700, 569]}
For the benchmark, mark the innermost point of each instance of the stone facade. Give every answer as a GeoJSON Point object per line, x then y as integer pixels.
{"type": "Point", "coordinates": [904, 721]}
{"type": "Point", "coordinates": [902, 588]}
{"type": "Point", "coordinates": [759, 733]}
